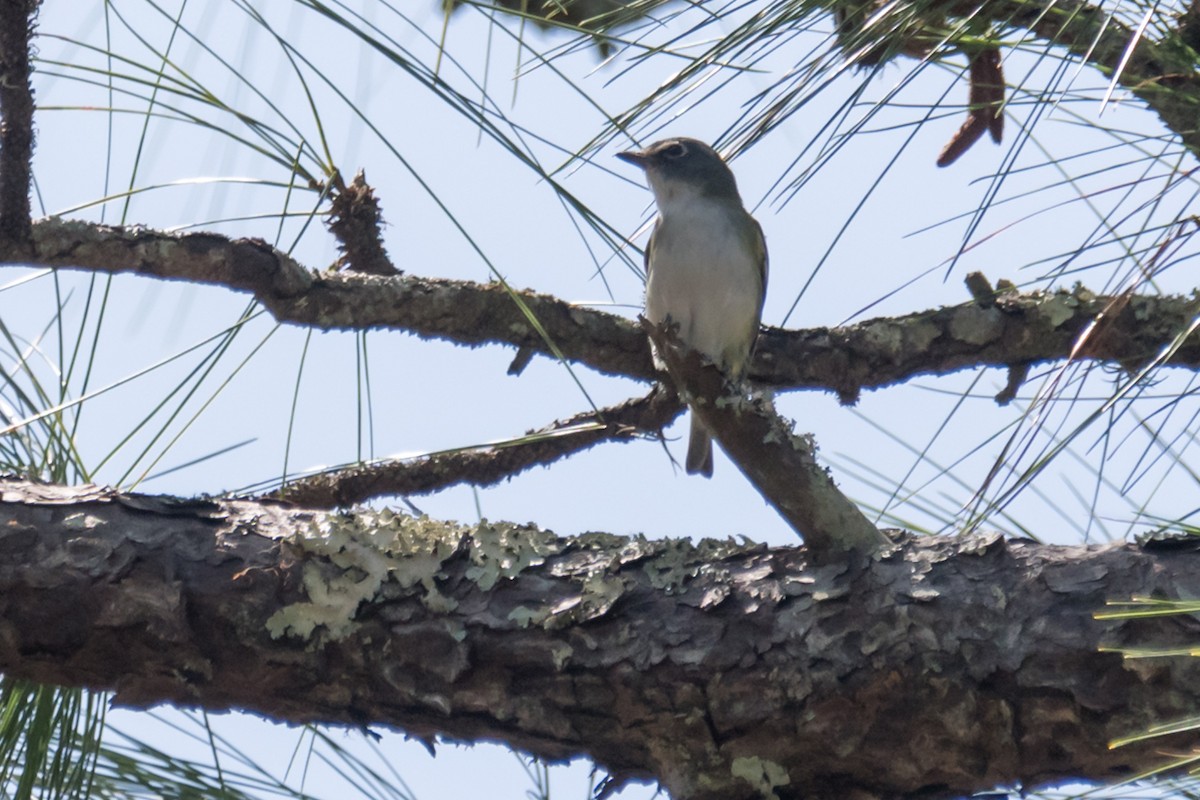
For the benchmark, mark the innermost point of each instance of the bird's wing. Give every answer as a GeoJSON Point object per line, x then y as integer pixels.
{"type": "Point", "coordinates": [760, 254]}
{"type": "Point", "coordinates": [650, 248]}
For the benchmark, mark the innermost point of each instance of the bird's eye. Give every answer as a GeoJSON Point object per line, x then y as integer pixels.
{"type": "Point", "coordinates": [676, 150]}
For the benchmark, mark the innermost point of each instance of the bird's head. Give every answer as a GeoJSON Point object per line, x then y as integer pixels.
{"type": "Point", "coordinates": [681, 169]}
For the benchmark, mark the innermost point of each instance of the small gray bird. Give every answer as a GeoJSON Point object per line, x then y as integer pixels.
{"type": "Point", "coordinates": [706, 263]}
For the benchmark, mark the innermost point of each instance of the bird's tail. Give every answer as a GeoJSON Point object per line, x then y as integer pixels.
{"type": "Point", "coordinates": [699, 454]}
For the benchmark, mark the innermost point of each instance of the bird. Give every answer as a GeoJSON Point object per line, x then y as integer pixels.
{"type": "Point", "coordinates": [706, 264]}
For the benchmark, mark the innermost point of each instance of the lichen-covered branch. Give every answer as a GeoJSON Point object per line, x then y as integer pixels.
{"type": "Point", "coordinates": [1018, 328]}
{"type": "Point", "coordinates": [486, 466]}
{"type": "Point", "coordinates": [464, 312]}
{"type": "Point", "coordinates": [941, 667]}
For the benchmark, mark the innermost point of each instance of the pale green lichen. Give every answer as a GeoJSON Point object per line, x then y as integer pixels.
{"type": "Point", "coordinates": [977, 326]}
{"type": "Point", "coordinates": [503, 550]}
{"type": "Point", "coordinates": [1058, 308]}
{"type": "Point", "coordinates": [670, 571]}
{"type": "Point", "coordinates": [885, 338]}
{"type": "Point", "coordinates": [596, 596]}
{"type": "Point", "coordinates": [600, 591]}
{"type": "Point", "coordinates": [804, 441]}
{"type": "Point", "coordinates": [777, 434]}
{"type": "Point", "coordinates": [599, 540]}
{"type": "Point", "coordinates": [365, 549]}
{"type": "Point", "coordinates": [331, 606]}
{"type": "Point", "coordinates": [679, 561]}
{"type": "Point", "coordinates": [919, 336]}
{"type": "Point", "coordinates": [457, 631]}
{"type": "Point", "coordinates": [525, 616]}
{"type": "Point", "coordinates": [737, 402]}
{"type": "Point", "coordinates": [763, 775]}
{"type": "Point", "coordinates": [561, 652]}
{"type": "Point", "coordinates": [592, 565]}
{"type": "Point", "coordinates": [355, 556]}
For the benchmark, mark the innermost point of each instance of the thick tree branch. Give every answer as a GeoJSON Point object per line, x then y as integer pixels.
{"type": "Point", "coordinates": [780, 464]}
{"type": "Point", "coordinates": [460, 311]}
{"type": "Point", "coordinates": [486, 466]}
{"type": "Point", "coordinates": [943, 667]}
{"type": "Point", "coordinates": [1019, 328]}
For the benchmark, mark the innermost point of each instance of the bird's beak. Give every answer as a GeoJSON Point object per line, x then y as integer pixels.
{"type": "Point", "coordinates": [635, 157]}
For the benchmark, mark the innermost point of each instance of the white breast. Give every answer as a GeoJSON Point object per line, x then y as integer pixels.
{"type": "Point", "coordinates": [704, 276]}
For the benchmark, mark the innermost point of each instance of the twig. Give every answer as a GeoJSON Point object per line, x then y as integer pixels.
{"type": "Point", "coordinates": [489, 465]}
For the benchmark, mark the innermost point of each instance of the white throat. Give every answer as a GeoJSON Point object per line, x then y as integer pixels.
{"type": "Point", "coordinates": [679, 198]}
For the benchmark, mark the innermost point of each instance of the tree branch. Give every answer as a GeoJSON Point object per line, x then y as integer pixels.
{"type": "Point", "coordinates": [1161, 73]}
{"type": "Point", "coordinates": [1019, 328]}
{"type": "Point", "coordinates": [460, 311]}
{"type": "Point", "coordinates": [780, 464]}
{"type": "Point", "coordinates": [943, 667]}
{"type": "Point", "coordinates": [486, 466]}
{"type": "Point", "coordinates": [16, 119]}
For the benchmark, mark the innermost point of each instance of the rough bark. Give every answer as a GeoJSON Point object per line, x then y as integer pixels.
{"type": "Point", "coordinates": [944, 666]}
